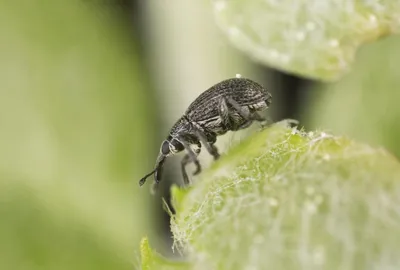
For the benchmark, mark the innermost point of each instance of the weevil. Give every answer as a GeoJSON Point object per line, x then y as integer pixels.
{"type": "Point", "coordinates": [230, 105]}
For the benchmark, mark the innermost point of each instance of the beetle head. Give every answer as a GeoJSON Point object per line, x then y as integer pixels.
{"type": "Point", "coordinates": [168, 147]}
{"type": "Point", "coordinates": [171, 147]}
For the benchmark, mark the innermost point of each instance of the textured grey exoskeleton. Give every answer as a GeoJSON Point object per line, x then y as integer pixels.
{"type": "Point", "coordinates": [232, 104]}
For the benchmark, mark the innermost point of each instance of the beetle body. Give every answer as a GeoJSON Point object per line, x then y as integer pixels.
{"type": "Point", "coordinates": [230, 105]}
{"type": "Point", "coordinates": [207, 111]}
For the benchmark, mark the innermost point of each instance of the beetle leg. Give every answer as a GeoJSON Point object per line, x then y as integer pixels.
{"type": "Point", "coordinates": [211, 148]}
{"type": "Point", "coordinates": [246, 124]}
{"type": "Point", "coordinates": [243, 113]}
{"type": "Point", "coordinates": [197, 151]}
{"type": "Point", "coordinates": [229, 122]}
{"type": "Point", "coordinates": [266, 122]}
{"type": "Point", "coordinates": [257, 117]}
{"type": "Point", "coordinates": [224, 114]}
{"type": "Point", "coordinates": [191, 156]}
{"type": "Point", "coordinates": [185, 160]}
{"type": "Point", "coordinates": [223, 110]}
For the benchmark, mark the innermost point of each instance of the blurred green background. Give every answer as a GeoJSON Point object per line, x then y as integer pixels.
{"type": "Point", "coordinates": [76, 127]}
{"type": "Point", "coordinates": [88, 90]}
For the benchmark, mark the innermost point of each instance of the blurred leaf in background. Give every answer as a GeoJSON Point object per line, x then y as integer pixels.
{"type": "Point", "coordinates": [365, 104]}
{"type": "Point", "coordinates": [311, 38]}
{"type": "Point", "coordinates": [74, 131]}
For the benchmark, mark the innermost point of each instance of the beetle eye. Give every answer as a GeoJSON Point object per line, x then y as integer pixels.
{"type": "Point", "coordinates": [165, 148]}
{"type": "Point", "coordinates": [176, 146]}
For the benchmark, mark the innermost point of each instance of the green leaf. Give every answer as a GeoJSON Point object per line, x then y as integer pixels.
{"type": "Point", "coordinates": [287, 199]}
{"type": "Point", "coordinates": [312, 38]}
{"type": "Point", "coordinates": [151, 260]}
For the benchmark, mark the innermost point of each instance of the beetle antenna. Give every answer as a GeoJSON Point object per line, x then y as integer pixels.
{"type": "Point", "coordinates": [156, 171]}
{"type": "Point", "coordinates": [143, 180]}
